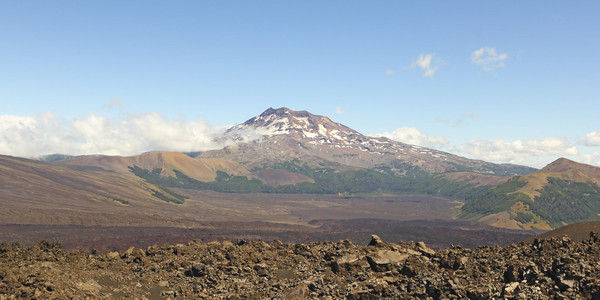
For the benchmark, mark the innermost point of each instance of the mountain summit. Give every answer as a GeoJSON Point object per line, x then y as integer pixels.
{"type": "Point", "coordinates": [566, 165]}
{"type": "Point", "coordinates": [563, 192]}
{"type": "Point", "coordinates": [300, 123]}
{"type": "Point", "coordinates": [283, 134]}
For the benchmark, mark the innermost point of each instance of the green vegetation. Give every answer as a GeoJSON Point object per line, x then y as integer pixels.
{"type": "Point", "coordinates": [168, 196]}
{"type": "Point", "coordinates": [523, 218]}
{"type": "Point", "coordinates": [327, 181]}
{"type": "Point", "coordinates": [124, 202]}
{"type": "Point", "coordinates": [559, 202]}
{"type": "Point", "coordinates": [510, 186]}
{"type": "Point", "coordinates": [495, 200]}
{"type": "Point", "coordinates": [562, 201]}
{"type": "Point", "coordinates": [55, 157]}
{"type": "Point", "coordinates": [154, 177]}
{"type": "Point", "coordinates": [223, 183]}
{"type": "Point", "coordinates": [366, 181]}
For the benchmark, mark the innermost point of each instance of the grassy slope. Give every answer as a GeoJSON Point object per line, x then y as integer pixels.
{"type": "Point", "coordinates": [199, 169]}
{"type": "Point", "coordinates": [561, 193]}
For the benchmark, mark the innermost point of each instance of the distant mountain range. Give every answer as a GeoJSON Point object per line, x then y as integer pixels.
{"type": "Point", "coordinates": [296, 152]}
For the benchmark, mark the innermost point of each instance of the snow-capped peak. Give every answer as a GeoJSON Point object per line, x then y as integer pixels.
{"type": "Point", "coordinates": [286, 121]}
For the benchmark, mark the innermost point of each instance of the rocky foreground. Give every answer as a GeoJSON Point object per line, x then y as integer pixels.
{"type": "Point", "coordinates": [544, 269]}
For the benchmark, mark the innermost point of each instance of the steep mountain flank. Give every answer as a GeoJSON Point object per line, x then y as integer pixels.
{"type": "Point", "coordinates": [563, 192]}
{"type": "Point", "coordinates": [276, 177]}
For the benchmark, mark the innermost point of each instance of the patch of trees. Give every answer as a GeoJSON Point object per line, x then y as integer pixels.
{"type": "Point", "coordinates": [124, 202]}
{"type": "Point", "coordinates": [492, 201]}
{"type": "Point", "coordinates": [569, 202]}
{"type": "Point", "coordinates": [223, 183]}
{"type": "Point", "coordinates": [326, 181]}
{"type": "Point", "coordinates": [560, 202]}
{"type": "Point", "coordinates": [160, 182]}
{"type": "Point", "coordinates": [523, 218]}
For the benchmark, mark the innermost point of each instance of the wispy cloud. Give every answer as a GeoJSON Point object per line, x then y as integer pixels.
{"type": "Point", "coordinates": [428, 63]}
{"type": "Point", "coordinates": [31, 136]}
{"type": "Point", "coordinates": [531, 152]}
{"type": "Point", "coordinates": [591, 139]}
{"type": "Point", "coordinates": [488, 58]}
{"type": "Point", "coordinates": [457, 122]}
{"type": "Point", "coordinates": [339, 110]}
{"type": "Point", "coordinates": [112, 103]}
{"type": "Point", "coordinates": [411, 135]}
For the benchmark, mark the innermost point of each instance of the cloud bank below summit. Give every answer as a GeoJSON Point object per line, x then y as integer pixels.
{"type": "Point", "coordinates": [411, 135]}
{"type": "Point", "coordinates": [44, 134]}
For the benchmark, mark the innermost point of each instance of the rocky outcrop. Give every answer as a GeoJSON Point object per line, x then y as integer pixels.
{"type": "Point", "coordinates": [543, 269]}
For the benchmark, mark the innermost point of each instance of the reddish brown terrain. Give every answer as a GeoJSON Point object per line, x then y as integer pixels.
{"type": "Point", "coordinates": [107, 210]}
{"type": "Point", "coordinates": [576, 232]}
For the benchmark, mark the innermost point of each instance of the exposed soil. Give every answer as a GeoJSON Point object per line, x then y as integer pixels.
{"type": "Point", "coordinates": [302, 208]}
{"type": "Point", "coordinates": [437, 234]}
{"type": "Point", "coordinates": [577, 232]}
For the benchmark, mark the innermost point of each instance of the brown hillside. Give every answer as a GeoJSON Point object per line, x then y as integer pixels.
{"type": "Point", "coordinates": [565, 165]}
{"type": "Point", "coordinates": [577, 232]}
{"type": "Point", "coordinates": [197, 168]}
{"type": "Point", "coordinates": [476, 178]}
{"type": "Point", "coordinates": [561, 168]}
{"type": "Point", "coordinates": [34, 193]}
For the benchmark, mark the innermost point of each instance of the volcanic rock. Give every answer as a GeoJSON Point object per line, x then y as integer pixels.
{"type": "Point", "coordinates": [375, 240]}
{"type": "Point", "coordinates": [545, 269]}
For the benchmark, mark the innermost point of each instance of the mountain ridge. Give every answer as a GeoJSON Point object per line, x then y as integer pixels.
{"type": "Point", "coordinates": [168, 162]}
{"type": "Point", "coordinates": [561, 193]}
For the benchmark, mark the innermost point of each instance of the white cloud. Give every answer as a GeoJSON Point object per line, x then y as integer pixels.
{"type": "Point", "coordinates": [591, 139]}
{"type": "Point", "coordinates": [467, 116]}
{"type": "Point", "coordinates": [339, 110]}
{"type": "Point", "coordinates": [411, 135]}
{"type": "Point", "coordinates": [390, 72]}
{"type": "Point", "coordinates": [31, 136]}
{"type": "Point", "coordinates": [529, 152]}
{"type": "Point", "coordinates": [427, 63]}
{"type": "Point", "coordinates": [488, 58]}
{"type": "Point", "coordinates": [591, 158]}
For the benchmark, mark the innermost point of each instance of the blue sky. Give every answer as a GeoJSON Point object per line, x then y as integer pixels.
{"type": "Point", "coordinates": [503, 81]}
